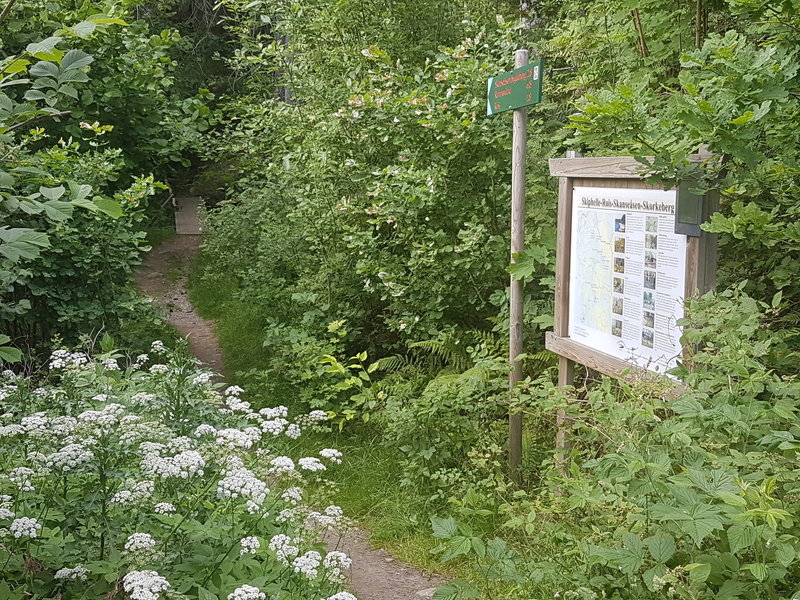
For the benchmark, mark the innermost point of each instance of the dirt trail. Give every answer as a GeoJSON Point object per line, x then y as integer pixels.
{"type": "Point", "coordinates": [375, 575]}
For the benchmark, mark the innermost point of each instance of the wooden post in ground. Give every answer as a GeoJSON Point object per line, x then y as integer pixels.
{"type": "Point", "coordinates": [519, 149]}
{"type": "Point", "coordinates": [566, 367]}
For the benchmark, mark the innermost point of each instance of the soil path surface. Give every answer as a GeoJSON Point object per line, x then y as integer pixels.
{"type": "Point", "coordinates": [375, 575]}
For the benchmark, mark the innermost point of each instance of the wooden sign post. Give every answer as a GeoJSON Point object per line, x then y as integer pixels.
{"type": "Point", "coordinates": [625, 263]}
{"type": "Point", "coordinates": [515, 90]}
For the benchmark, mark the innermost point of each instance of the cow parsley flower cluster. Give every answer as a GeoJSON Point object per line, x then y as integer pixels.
{"type": "Point", "coordinates": [201, 379]}
{"type": "Point", "coordinates": [25, 527]}
{"type": "Point", "coordinates": [284, 547]}
{"type": "Point", "coordinates": [274, 413]}
{"type": "Point", "coordinates": [64, 359]}
{"type": "Point", "coordinates": [237, 438]}
{"type": "Point", "coordinates": [249, 545]}
{"type": "Point", "coordinates": [332, 455]}
{"type": "Point", "coordinates": [78, 572]}
{"type": "Point", "coordinates": [336, 564]}
{"type": "Point", "coordinates": [69, 459]}
{"type": "Point", "coordinates": [6, 514]}
{"type": "Point", "coordinates": [308, 564]}
{"type": "Point", "coordinates": [205, 429]}
{"type": "Point", "coordinates": [158, 347]}
{"type": "Point", "coordinates": [281, 464]}
{"type": "Point", "coordinates": [293, 431]}
{"type": "Point", "coordinates": [311, 463]}
{"type": "Point", "coordinates": [164, 508]}
{"type": "Point", "coordinates": [139, 542]}
{"type": "Point", "coordinates": [159, 369]}
{"type": "Point", "coordinates": [144, 585]}
{"type": "Point", "coordinates": [183, 465]}
{"type": "Point", "coordinates": [241, 483]}
{"type": "Point", "coordinates": [247, 592]}
{"type": "Point", "coordinates": [21, 476]}
{"type": "Point", "coordinates": [274, 426]}
{"type": "Point", "coordinates": [137, 492]}
{"type": "Point", "coordinates": [292, 495]}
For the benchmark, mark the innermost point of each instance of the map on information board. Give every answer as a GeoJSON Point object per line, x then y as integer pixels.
{"type": "Point", "coordinates": [627, 275]}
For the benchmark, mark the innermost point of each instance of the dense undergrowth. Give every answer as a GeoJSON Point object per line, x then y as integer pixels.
{"type": "Point", "coordinates": [357, 262]}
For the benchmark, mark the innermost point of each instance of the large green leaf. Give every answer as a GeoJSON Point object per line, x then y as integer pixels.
{"type": "Point", "coordinates": [661, 546]}
{"type": "Point", "coordinates": [9, 354]}
{"type": "Point", "coordinates": [741, 536]}
{"type": "Point", "coordinates": [444, 528]}
{"type": "Point", "coordinates": [108, 206]}
{"type": "Point", "coordinates": [45, 49]}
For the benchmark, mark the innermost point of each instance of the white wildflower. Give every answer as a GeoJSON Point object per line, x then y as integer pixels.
{"type": "Point", "coordinates": [25, 527]}
{"type": "Point", "coordinates": [140, 361]}
{"type": "Point", "coordinates": [274, 413]}
{"type": "Point", "coordinates": [281, 464]}
{"type": "Point", "coordinates": [274, 426]}
{"type": "Point", "coordinates": [241, 483]}
{"type": "Point", "coordinates": [6, 514]}
{"type": "Point", "coordinates": [249, 545]}
{"type": "Point", "coordinates": [311, 463]}
{"type": "Point", "coordinates": [78, 572]}
{"type": "Point", "coordinates": [11, 430]}
{"type": "Point", "coordinates": [158, 347]}
{"type": "Point", "coordinates": [285, 516]}
{"type": "Point", "coordinates": [205, 429]}
{"type": "Point", "coordinates": [21, 476]}
{"type": "Point", "coordinates": [336, 563]}
{"type": "Point", "coordinates": [69, 459]}
{"type": "Point", "coordinates": [308, 564]}
{"type": "Point", "coordinates": [183, 465]}
{"type": "Point", "coordinates": [158, 369]}
{"type": "Point", "coordinates": [233, 390]}
{"type": "Point", "coordinates": [341, 596]}
{"type": "Point", "coordinates": [318, 415]}
{"type": "Point", "coordinates": [201, 379]}
{"type": "Point", "coordinates": [110, 364]}
{"type": "Point", "coordinates": [100, 398]}
{"type": "Point", "coordinates": [293, 495]}
{"type": "Point", "coordinates": [293, 431]}
{"type": "Point", "coordinates": [164, 508]}
{"type": "Point", "coordinates": [144, 585]}
{"type": "Point", "coordinates": [284, 547]}
{"type": "Point", "coordinates": [140, 542]}
{"type": "Point", "coordinates": [332, 455]}
{"type": "Point", "coordinates": [247, 592]}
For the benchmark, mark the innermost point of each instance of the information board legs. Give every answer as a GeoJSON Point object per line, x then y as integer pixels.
{"type": "Point", "coordinates": [517, 246]}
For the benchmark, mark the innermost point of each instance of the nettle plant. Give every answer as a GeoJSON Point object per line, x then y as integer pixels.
{"type": "Point", "coordinates": [138, 477]}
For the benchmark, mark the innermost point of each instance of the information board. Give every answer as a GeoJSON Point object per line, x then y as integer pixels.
{"type": "Point", "coordinates": [627, 275]}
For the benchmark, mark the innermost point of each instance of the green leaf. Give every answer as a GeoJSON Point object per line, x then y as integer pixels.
{"type": "Point", "coordinates": [84, 28]}
{"type": "Point", "coordinates": [57, 210]}
{"type": "Point", "coordinates": [204, 594]}
{"type": "Point", "coordinates": [661, 546]}
{"type": "Point", "coordinates": [78, 191]}
{"type": "Point", "coordinates": [785, 554]}
{"type": "Point", "coordinates": [444, 528]}
{"type": "Point", "coordinates": [759, 570]}
{"type": "Point", "coordinates": [108, 206]}
{"type": "Point", "coordinates": [741, 536]}
{"type": "Point", "coordinates": [17, 66]}
{"type": "Point", "coordinates": [52, 193]}
{"type": "Point", "coordinates": [9, 354]}
{"type": "Point", "coordinates": [698, 572]}
{"type": "Point", "coordinates": [45, 48]}
{"type": "Point", "coordinates": [457, 546]}
{"type": "Point", "coordinates": [732, 499]}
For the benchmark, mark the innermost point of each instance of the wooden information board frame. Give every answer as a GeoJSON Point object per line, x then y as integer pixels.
{"type": "Point", "coordinates": [612, 172]}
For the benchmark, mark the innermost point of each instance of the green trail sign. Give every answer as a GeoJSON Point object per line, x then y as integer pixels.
{"type": "Point", "coordinates": [515, 89]}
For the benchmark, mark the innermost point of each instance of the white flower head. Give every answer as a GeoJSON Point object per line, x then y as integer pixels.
{"type": "Point", "coordinates": [139, 542]}
{"type": "Point", "coordinates": [144, 585]}
{"type": "Point", "coordinates": [164, 508]}
{"type": "Point", "coordinates": [78, 572]}
{"type": "Point", "coordinates": [25, 527]}
{"type": "Point", "coordinates": [281, 464]}
{"type": "Point", "coordinates": [249, 545]}
{"type": "Point", "coordinates": [332, 455]}
{"type": "Point", "coordinates": [247, 592]}
{"type": "Point", "coordinates": [308, 564]}
{"type": "Point", "coordinates": [311, 463]}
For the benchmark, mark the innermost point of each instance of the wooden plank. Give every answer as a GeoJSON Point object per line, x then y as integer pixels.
{"type": "Point", "coordinates": [591, 358]}
{"type": "Point", "coordinates": [516, 308]}
{"type": "Point", "coordinates": [608, 167]}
